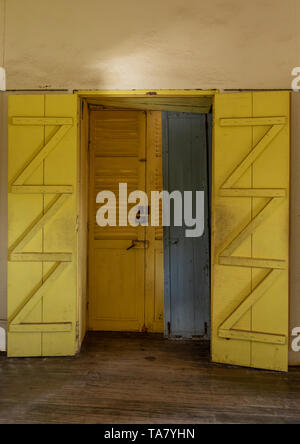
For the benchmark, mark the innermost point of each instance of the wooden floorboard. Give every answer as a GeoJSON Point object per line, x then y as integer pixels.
{"type": "Point", "coordinates": [132, 379]}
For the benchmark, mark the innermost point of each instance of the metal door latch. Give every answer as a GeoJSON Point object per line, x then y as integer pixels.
{"type": "Point", "coordinates": [131, 246]}
{"type": "Point", "coordinates": [135, 243]}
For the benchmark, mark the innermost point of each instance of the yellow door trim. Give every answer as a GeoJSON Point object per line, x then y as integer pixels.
{"type": "Point", "coordinates": [147, 93]}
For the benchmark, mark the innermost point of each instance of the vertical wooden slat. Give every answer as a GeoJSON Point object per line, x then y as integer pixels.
{"type": "Point", "coordinates": [61, 167]}
{"type": "Point", "coordinates": [154, 302]}
{"type": "Point", "coordinates": [22, 277]}
{"type": "Point", "coordinates": [230, 286]}
{"type": "Point", "coordinates": [271, 239]}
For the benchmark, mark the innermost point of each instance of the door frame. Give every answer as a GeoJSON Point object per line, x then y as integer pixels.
{"type": "Point", "coordinates": [83, 235]}
{"type": "Point", "coordinates": [84, 97]}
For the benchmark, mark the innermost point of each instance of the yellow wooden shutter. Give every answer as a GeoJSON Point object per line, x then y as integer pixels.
{"type": "Point", "coordinates": [42, 270]}
{"type": "Point", "coordinates": [250, 274]}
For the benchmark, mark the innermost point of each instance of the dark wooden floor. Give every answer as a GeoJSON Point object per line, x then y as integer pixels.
{"type": "Point", "coordinates": [124, 378]}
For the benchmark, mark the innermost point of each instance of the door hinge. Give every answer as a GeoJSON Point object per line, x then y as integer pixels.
{"type": "Point", "coordinates": [77, 224]}
{"type": "Point", "coordinates": [205, 328]}
{"type": "Point", "coordinates": [144, 329]}
{"type": "Point", "coordinates": [169, 328]}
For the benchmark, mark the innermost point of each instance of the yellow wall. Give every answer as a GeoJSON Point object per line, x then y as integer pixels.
{"type": "Point", "coordinates": [124, 44]}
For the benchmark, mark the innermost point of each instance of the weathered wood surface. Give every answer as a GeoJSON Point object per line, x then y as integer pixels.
{"type": "Point", "coordinates": [187, 260]}
{"type": "Point", "coordinates": [131, 378]}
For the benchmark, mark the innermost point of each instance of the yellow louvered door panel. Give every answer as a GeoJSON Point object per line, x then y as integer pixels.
{"type": "Point", "coordinates": [42, 270]}
{"type": "Point", "coordinates": [154, 312]}
{"type": "Point", "coordinates": [116, 271]}
{"type": "Point", "coordinates": [250, 269]}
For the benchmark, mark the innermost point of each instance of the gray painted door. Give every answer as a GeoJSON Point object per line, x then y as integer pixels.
{"type": "Point", "coordinates": [187, 159]}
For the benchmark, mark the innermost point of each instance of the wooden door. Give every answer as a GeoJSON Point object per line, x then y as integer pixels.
{"type": "Point", "coordinates": [250, 263]}
{"type": "Point", "coordinates": [187, 260]}
{"type": "Point", "coordinates": [42, 257]}
{"type": "Point", "coordinates": [116, 271]}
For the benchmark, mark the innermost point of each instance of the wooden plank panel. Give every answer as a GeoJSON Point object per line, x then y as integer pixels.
{"type": "Point", "coordinates": [233, 192]}
{"type": "Point", "coordinates": [116, 274]}
{"type": "Point", "coordinates": [253, 155]}
{"type": "Point", "coordinates": [44, 328]}
{"type": "Point", "coordinates": [42, 189]}
{"type": "Point", "coordinates": [37, 159]}
{"type": "Point", "coordinates": [200, 105]}
{"type": "Point", "coordinates": [83, 244]}
{"type": "Point", "coordinates": [265, 338]}
{"type": "Point", "coordinates": [271, 313]}
{"type": "Point", "coordinates": [230, 285]}
{"type": "Point", "coordinates": [154, 302]}
{"type": "Point", "coordinates": [267, 303]}
{"type": "Point", "coordinates": [61, 168]}
{"type": "Point", "coordinates": [22, 211]}
{"type": "Point", "coordinates": [33, 299]}
{"type": "Point", "coordinates": [253, 263]}
{"type": "Point", "coordinates": [261, 121]}
{"type": "Point", "coordinates": [56, 312]}
{"type": "Point", "coordinates": [262, 287]}
{"type": "Point", "coordinates": [255, 223]}
{"type": "Point", "coordinates": [37, 121]}
{"type": "Point", "coordinates": [39, 223]}
{"type": "Point", "coordinates": [166, 93]}
{"type": "Point", "coordinates": [187, 279]}
{"type": "Point", "coordinates": [40, 257]}
{"type": "Point", "coordinates": [59, 390]}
